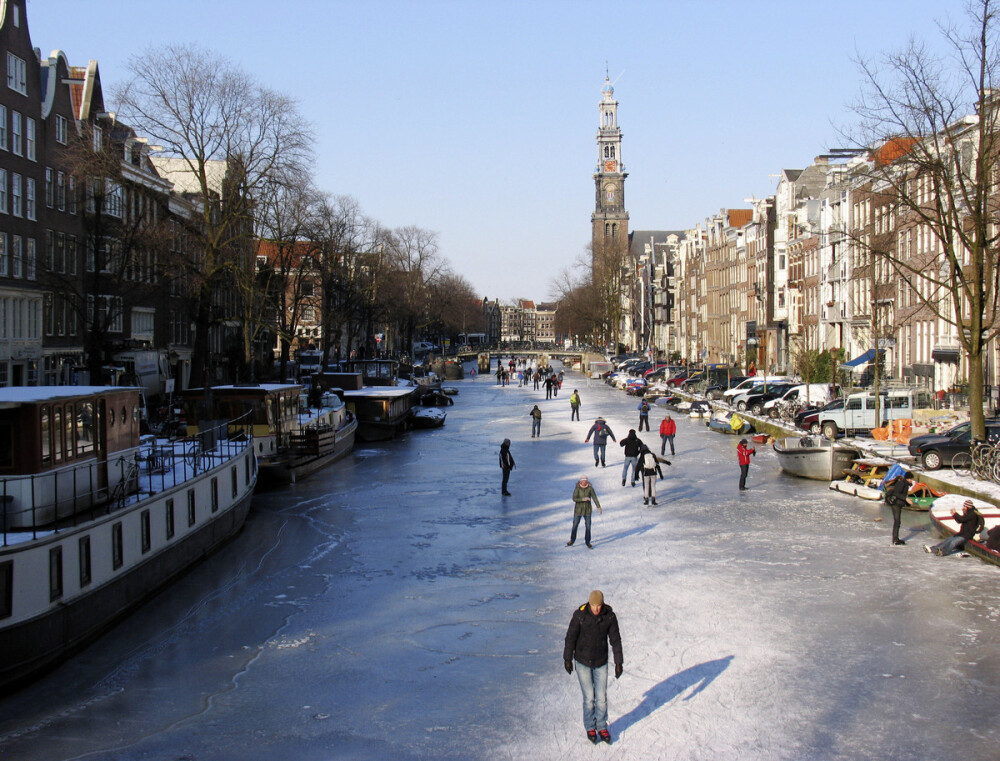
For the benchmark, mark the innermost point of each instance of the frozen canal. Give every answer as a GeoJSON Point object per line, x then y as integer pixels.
{"type": "Point", "coordinates": [396, 607]}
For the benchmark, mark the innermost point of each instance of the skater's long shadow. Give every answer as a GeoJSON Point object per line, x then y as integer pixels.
{"type": "Point", "coordinates": [698, 677]}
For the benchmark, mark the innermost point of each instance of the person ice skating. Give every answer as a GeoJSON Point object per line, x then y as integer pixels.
{"type": "Point", "coordinates": [574, 405]}
{"type": "Point", "coordinates": [668, 429]}
{"type": "Point", "coordinates": [743, 453]}
{"type": "Point", "coordinates": [649, 464]}
{"type": "Point", "coordinates": [549, 383]}
{"type": "Point", "coordinates": [591, 628]}
{"type": "Point", "coordinates": [970, 523]}
{"type": "Point", "coordinates": [643, 414]}
{"type": "Point", "coordinates": [506, 465]}
{"type": "Point", "coordinates": [632, 445]}
{"type": "Point", "coordinates": [536, 377]}
{"type": "Point", "coordinates": [896, 498]}
{"type": "Point", "coordinates": [583, 496]}
{"type": "Point", "coordinates": [600, 430]}
{"type": "Point", "coordinates": [536, 421]}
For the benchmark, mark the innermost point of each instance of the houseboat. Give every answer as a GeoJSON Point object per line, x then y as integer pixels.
{"type": "Point", "coordinates": [292, 439]}
{"type": "Point", "coordinates": [375, 397]}
{"type": "Point", "coordinates": [93, 520]}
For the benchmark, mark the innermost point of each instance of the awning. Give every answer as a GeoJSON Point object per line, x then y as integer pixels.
{"type": "Point", "coordinates": [864, 359]}
{"type": "Point", "coordinates": [945, 354]}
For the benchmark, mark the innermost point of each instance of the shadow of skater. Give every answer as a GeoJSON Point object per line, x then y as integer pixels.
{"type": "Point", "coordinates": [698, 677]}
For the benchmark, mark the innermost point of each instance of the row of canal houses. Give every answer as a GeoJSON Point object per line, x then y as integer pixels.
{"type": "Point", "coordinates": [794, 271]}
{"type": "Point", "coordinates": [71, 285]}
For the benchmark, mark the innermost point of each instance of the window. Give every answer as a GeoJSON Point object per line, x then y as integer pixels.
{"type": "Point", "coordinates": [61, 129]}
{"type": "Point", "coordinates": [30, 259]}
{"type": "Point", "coordinates": [6, 588]}
{"type": "Point", "coordinates": [29, 137]}
{"type": "Point", "coordinates": [192, 514]}
{"type": "Point", "coordinates": [16, 199]}
{"type": "Point", "coordinates": [17, 74]}
{"type": "Point", "coordinates": [50, 188]}
{"type": "Point", "coordinates": [144, 531]}
{"type": "Point", "coordinates": [98, 138]}
{"type": "Point", "coordinates": [169, 517]}
{"type": "Point", "coordinates": [117, 547]}
{"type": "Point", "coordinates": [61, 191]}
{"type": "Point", "coordinates": [236, 481]}
{"type": "Point", "coordinates": [55, 574]}
{"type": "Point", "coordinates": [16, 257]}
{"type": "Point", "coordinates": [3, 127]}
{"type": "Point", "coordinates": [3, 191]}
{"type": "Point", "coordinates": [84, 561]}
{"type": "Point", "coordinates": [15, 133]}
{"type": "Point", "coordinates": [113, 199]}
{"type": "Point", "coordinates": [3, 254]}
{"type": "Point", "coordinates": [29, 198]}
{"type": "Point", "coordinates": [215, 495]}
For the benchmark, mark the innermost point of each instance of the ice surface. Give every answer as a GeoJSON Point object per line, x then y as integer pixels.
{"type": "Point", "coordinates": [395, 606]}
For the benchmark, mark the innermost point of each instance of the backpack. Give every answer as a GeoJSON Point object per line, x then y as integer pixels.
{"type": "Point", "coordinates": [644, 407]}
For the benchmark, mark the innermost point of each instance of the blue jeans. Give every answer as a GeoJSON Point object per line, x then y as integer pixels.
{"type": "Point", "coordinates": [576, 523]}
{"type": "Point", "coordinates": [594, 685]}
{"type": "Point", "coordinates": [663, 443]}
{"type": "Point", "coordinates": [536, 426]}
{"type": "Point", "coordinates": [634, 462]}
{"type": "Point", "coordinates": [950, 545]}
{"type": "Point", "coordinates": [599, 451]}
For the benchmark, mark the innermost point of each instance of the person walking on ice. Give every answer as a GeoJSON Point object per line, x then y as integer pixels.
{"type": "Point", "coordinates": [583, 497]}
{"type": "Point", "coordinates": [593, 626]}
{"type": "Point", "coordinates": [668, 429]}
{"type": "Point", "coordinates": [743, 454]}
{"type": "Point", "coordinates": [506, 465]}
{"type": "Point", "coordinates": [643, 414]}
{"type": "Point", "coordinates": [632, 445]}
{"type": "Point", "coordinates": [536, 422]}
{"type": "Point", "coordinates": [649, 464]}
{"type": "Point", "coordinates": [574, 405]}
{"type": "Point", "coordinates": [600, 430]}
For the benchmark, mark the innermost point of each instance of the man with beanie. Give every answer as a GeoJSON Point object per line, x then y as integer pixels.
{"type": "Point", "coordinates": [743, 452]}
{"type": "Point", "coordinates": [970, 523]}
{"type": "Point", "coordinates": [632, 445]}
{"type": "Point", "coordinates": [592, 626]}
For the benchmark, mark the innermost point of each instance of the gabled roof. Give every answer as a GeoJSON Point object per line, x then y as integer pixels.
{"type": "Point", "coordinates": [894, 149]}
{"type": "Point", "coordinates": [739, 217]}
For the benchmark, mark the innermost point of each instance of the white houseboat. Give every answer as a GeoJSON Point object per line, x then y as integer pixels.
{"type": "Point", "coordinates": [94, 521]}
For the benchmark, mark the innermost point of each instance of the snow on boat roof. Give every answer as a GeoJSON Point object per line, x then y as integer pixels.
{"type": "Point", "coordinates": [15, 395]}
{"type": "Point", "coordinates": [381, 391]}
{"type": "Point", "coordinates": [249, 388]}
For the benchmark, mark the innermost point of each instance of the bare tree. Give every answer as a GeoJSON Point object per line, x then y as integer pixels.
{"type": "Point", "coordinates": [415, 263]}
{"type": "Point", "coordinates": [931, 125]}
{"type": "Point", "coordinates": [228, 136]}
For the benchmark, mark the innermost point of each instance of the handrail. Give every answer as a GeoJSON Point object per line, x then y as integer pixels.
{"type": "Point", "coordinates": [167, 466]}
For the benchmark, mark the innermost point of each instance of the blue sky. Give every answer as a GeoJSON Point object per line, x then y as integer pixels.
{"type": "Point", "coordinates": [478, 119]}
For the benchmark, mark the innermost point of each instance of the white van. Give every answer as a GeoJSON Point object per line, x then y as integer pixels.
{"type": "Point", "coordinates": [756, 380]}
{"type": "Point", "coordinates": [818, 394]}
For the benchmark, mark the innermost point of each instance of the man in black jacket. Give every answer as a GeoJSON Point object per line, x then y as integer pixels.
{"type": "Point", "coordinates": [896, 492]}
{"type": "Point", "coordinates": [593, 625]}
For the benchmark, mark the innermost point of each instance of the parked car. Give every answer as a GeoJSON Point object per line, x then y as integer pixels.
{"type": "Point", "coordinates": [753, 401]}
{"type": "Point", "coordinates": [746, 385]}
{"type": "Point", "coordinates": [858, 413]}
{"type": "Point", "coordinates": [677, 379]}
{"type": "Point", "coordinates": [818, 395]}
{"type": "Point", "coordinates": [715, 390]}
{"type": "Point", "coordinates": [809, 419]}
{"type": "Point", "coordinates": [937, 451]}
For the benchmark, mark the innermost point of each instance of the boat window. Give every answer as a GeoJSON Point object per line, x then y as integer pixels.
{"type": "Point", "coordinates": [84, 428]}
{"type": "Point", "coordinates": [215, 495]}
{"type": "Point", "coordinates": [6, 445]}
{"type": "Point", "coordinates": [192, 513]}
{"type": "Point", "coordinates": [46, 443]}
{"type": "Point", "coordinates": [57, 434]}
{"type": "Point", "coordinates": [117, 548]}
{"type": "Point", "coordinates": [236, 481]}
{"type": "Point", "coordinates": [55, 573]}
{"type": "Point", "coordinates": [145, 538]}
{"type": "Point", "coordinates": [111, 416]}
{"type": "Point", "coordinates": [124, 418]}
{"type": "Point", "coordinates": [6, 588]}
{"type": "Point", "coordinates": [84, 560]}
{"type": "Point", "coordinates": [70, 431]}
{"type": "Point", "coordinates": [169, 516]}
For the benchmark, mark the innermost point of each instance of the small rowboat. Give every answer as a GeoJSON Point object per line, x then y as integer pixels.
{"type": "Point", "coordinates": [864, 478]}
{"type": "Point", "coordinates": [943, 522]}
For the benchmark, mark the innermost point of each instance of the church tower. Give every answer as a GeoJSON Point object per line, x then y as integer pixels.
{"type": "Point", "coordinates": [609, 220]}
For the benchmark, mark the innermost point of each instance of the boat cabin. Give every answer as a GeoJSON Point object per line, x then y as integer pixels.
{"type": "Point", "coordinates": [62, 447]}
{"type": "Point", "coordinates": [275, 408]}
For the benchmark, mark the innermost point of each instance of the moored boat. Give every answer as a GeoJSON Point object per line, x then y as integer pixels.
{"type": "Point", "coordinates": [943, 522]}
{"type": "Point", "coordinates": [427, 417]}
{"type": "Point", "coordinates": [813, 457]}
{"type": "Point", "coordinates": [95, 520]}
{"type": "Point", "coordinates": [699, 410]}
{"type": "Point", "coordinates": [864, 478]}
{"type": "Point", "coordinates": [726, 421]}
{"type": "Point", "coordinates": [292, 439]}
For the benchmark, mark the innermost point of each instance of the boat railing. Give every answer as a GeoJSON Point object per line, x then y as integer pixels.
{"type": "Point", "coordinates": [43, 503]}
